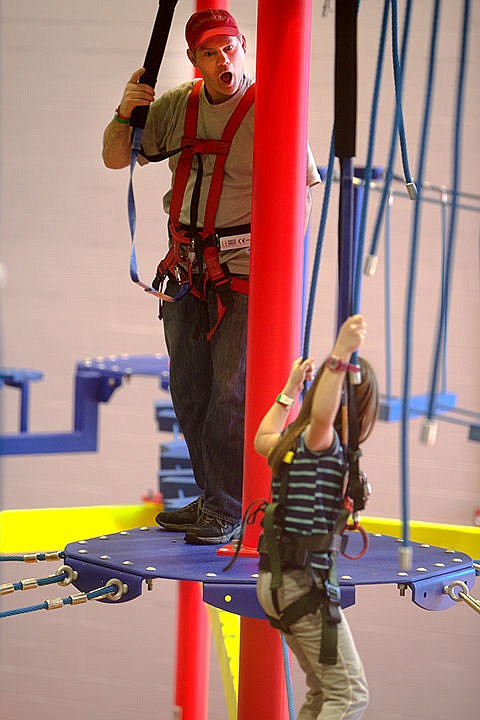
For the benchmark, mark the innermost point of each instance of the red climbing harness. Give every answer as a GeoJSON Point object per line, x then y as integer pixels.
{"type": "Point", "coordinates": [205, 243]}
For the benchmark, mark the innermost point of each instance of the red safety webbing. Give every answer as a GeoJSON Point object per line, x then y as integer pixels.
{"type": "Point", "coordinates": [185, 163]}
{"type": "Point", "coordinates": [218, 147]}
{"type": "Point", "coordinates": [217, 178]}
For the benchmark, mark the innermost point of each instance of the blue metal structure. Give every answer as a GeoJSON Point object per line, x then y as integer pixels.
{"type": "Point", "coordinates": [95, 382]}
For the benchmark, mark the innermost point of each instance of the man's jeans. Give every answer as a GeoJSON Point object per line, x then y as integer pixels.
{"type": "Point", "coordinates": [207, 384]}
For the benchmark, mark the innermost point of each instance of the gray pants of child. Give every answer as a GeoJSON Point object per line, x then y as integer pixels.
{"type": "Point", "coordinates": [335, 692]}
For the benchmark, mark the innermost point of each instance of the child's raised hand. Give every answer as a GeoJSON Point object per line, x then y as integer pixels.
{"type": "Point", "coordinates": [351, 335]}
{"type": "Point", "coordinates": [300, 373]}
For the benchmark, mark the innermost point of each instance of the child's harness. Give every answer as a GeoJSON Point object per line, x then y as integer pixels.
{"type": "Point", "coordinates": [281, 551]}
{"type": "Point", "coordinates": [203, 244]}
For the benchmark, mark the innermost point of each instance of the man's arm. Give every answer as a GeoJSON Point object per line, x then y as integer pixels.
{"type": "Point", "coordinates": [117, 136]}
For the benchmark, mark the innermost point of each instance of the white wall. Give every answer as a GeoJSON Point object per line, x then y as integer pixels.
{"type": "Point", "coordinates": [67, 295]}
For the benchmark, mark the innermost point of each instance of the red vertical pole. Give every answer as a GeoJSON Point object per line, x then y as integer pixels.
{"type": "Point", "coordinates": [193, 653]}
{"type": "Point", "coordinates": [278, 214]}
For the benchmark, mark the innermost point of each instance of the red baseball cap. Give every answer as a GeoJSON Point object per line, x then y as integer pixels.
{"type": "Point", "coordinates": [208, 23]}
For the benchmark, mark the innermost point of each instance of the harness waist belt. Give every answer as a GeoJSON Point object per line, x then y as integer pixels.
{"type": "Point", "coordinates": [231, 238]}
{"type": "Point", "coordinates": [294, 551]}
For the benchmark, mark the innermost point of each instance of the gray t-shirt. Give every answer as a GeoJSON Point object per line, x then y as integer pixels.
{"type": "Point", "coordinates": [163, 132]}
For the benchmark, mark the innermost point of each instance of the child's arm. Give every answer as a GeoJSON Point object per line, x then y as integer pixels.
{"type": "Point", "coordinates": [274, 420]}
{"type": "Point", "coordinates": [326, 400]}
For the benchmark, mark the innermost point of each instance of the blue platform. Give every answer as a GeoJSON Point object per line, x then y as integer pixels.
{"type": "Point", "coordinates": [141, 554]}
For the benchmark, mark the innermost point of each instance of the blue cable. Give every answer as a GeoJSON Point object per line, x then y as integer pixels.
{"type": "Point", "coordinates": [443, 220]}
{"type": "Point", "coordinates": [393, 142]}
{"type": "Point", "coordinates": [346, 241]}
{"type": "Point", "coordinates": [388, 303]}
{"type": "Point", "coordinates": [442, 323]}
{"type": "Point", "coordinates": [37, 558]}
{"type": "Point", "coordinates": [412, 282]}
{"type": "Point", "coordinates": [357, 280]}
{"type": "Point", "coordinates": [398, 78]}
{"type": "Point", "coordinates": [41, 581]}
{"type": "Point", "coordinates": [288, 679]}
{"type": "Point", "coordinates": [92, 595]}
{"type": "Point", "coordinates": [318, 250]}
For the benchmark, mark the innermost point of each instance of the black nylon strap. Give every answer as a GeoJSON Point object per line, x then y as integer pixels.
{"type": "Point", "coordinates": [355, 489]}
{"type": "Point", "coordinates": [306, 604]}
{"type": "Point", "coordinates": [345, 77]}
{"type": "Point", "coordinates": [309, 604]}
{"type": "Point", "coordinates": [154, 55]}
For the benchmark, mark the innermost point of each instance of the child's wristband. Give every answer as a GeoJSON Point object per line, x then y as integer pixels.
{"type": "Point", "coordinates": [285, 401]}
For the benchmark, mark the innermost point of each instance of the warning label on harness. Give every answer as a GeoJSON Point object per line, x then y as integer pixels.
{"type": "Point", "coordinates": [235, 242]}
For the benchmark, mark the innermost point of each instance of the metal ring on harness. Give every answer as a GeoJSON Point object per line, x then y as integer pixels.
{"type": "Point", "coordinates": [351, 528]}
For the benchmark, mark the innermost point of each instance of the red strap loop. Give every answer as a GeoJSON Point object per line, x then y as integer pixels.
{"type": "Point", "coordinates": [351, 528]}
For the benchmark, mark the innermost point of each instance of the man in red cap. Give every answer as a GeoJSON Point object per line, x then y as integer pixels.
{"type": "Point", "coordinates": [206, 330]}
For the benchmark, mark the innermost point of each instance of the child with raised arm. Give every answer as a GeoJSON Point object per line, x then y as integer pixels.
{"type": "Point", "coordinates": [310, 451]}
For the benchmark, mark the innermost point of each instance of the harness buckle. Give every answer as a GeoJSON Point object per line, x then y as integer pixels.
{"type": "Point", "coordinates": [339, 543]}
{"type": "Point", "coordinates": [210, 240]}
{"type": "Point", "coordinates": [333, 596]}
{"type": "Point", "coordinates": [332, 592]}
{"type": "Point", "coordinates": [178, 275]}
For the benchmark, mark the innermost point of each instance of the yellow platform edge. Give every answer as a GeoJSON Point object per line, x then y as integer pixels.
{"type": "Point", "coordinates": [463, 538]}
{"type": "Point", "coordinates": [48, 529]}
{"type": "Point", "coordinates": [45, 529]}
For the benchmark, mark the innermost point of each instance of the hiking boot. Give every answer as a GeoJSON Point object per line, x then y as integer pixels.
{"type": "Point", "coordinates": [182, 519]}
{"type": "Point", "coordinates": [211, 530]}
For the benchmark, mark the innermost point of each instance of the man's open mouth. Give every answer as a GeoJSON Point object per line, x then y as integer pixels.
{"type": "Point", "coordinates": [226, 77]}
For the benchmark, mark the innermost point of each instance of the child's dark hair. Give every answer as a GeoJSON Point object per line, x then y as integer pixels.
{"type": "Point", "coordinates": [366, 397]}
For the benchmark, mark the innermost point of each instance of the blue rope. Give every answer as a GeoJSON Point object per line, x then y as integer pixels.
{"type": "Point", "coordinates": [346, 241]}
{"type": "Point", "coordinates": [412, 282]}
{"type": "Point", "coordinates": [318, 250]}
{"type": "Point", "coordinates": [442, 323]}
{"type": "Point", "coordinates": [388, 303]}
{"type": "Point", "coordinates": [398, 78]}
{"type": "Point", "coordinates": [443, 221]}
{"type": "Point", "coordinates": [288, 679]}
{"type": "Point", "coordinates": [41, 581]}
{"type": "Point", "coordinates": [38, 557]}
{"type": "Point", "coordinates": [92, 595]}
{"type": "Point", "coordinates": [393, 141]}
{"type": "Point", "coordinates": [357, 280]}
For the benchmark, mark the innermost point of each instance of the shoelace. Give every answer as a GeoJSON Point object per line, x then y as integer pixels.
{"type": "Point", "coordinates": [249, 518]}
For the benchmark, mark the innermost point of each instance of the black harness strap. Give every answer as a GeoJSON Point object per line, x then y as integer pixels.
{"type": "Point", "coordinates": [355, 487]}
{"type": "Point", "coordinates": [305, 605]}
{"type": "Point", "coordinates": [154, 55]}
{"type": "Point", "coordinates": [282, 551]}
